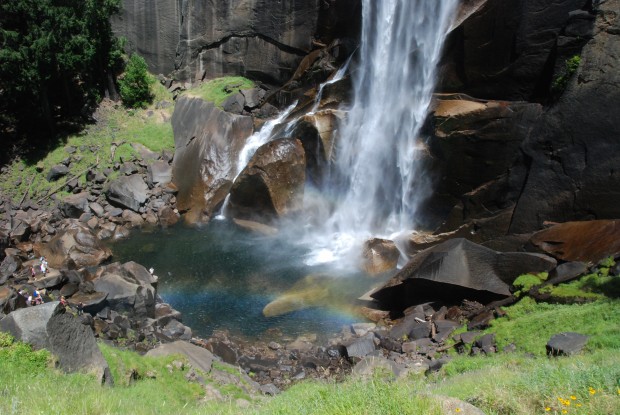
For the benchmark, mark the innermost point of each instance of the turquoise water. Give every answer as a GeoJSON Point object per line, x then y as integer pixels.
{"type": "Point", "coordinates": [221, 277]}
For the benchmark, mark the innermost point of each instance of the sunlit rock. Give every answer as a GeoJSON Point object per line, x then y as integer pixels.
{"type": "Point", "coordinates": [272, 183]}
{"type": "Point", "coordinates": [379, 255]}
{"type": "Point", "coordinates": [207, 144]}
{"type": "Point", "coordinates": [128, 191]}
{"type": "Point", "coordinates": [76, 244]}
{"type": "Point", "coordinates": [588, 241]}
{"type": "Point", "coordinates": [256, 227]}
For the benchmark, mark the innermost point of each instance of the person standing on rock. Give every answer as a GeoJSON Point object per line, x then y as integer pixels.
{"type": "Point", "coordinates": [33, 273]}
{"type": "Point", "coordinates": [43, 265]}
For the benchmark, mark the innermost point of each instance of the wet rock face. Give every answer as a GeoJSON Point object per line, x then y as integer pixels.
{"type": "Point", "coordinates": [473, 147]}
{"type": "Point", "coordinates": [207, 145]}
{"type": "Point", "coordinates": [272, 183]}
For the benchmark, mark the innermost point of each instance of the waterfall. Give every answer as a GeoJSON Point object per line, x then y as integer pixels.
{"type": "Point", "coordinates": [400, 47]}
{"type": "Point", "coordinates": [377, 184]}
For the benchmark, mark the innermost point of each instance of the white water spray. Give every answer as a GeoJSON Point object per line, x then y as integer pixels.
{"type": "Point", "coordinates": [378, 186]}
{"type": "Point", "coordinates": [400, 47]}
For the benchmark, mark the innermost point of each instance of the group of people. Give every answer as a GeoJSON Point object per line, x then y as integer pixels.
{"type": "Point", "coordinates": [32, 299]}
{"type": "Point", "coordinates": [43, 266]}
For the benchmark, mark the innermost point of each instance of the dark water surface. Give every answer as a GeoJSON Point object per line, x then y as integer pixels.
{"type": "Point", "coordinates": [221, 277]}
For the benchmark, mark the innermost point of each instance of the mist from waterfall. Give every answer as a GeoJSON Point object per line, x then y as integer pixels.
{"type": "Point", "coordinates": [377, 185]}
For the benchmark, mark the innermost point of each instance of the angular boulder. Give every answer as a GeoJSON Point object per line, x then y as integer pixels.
{"type": "Point", "coordinates": [48, 326]}
{"type": "Point", "coordinates": [272, 184]}
{"type": "Point", "coordinates": [379, 255]}
{"type": "Point", "coordinates": [128, 289]}
{"type": "Point", "coordinates": [207, 145]}
{"type": "Point", "coordinates": [73, 206]}
{"type": "Point", "coordinates": [29, 325]}
{"type": "Point", "coordinates": [77, 246]}
{"type": "Point", "coordinates": [128, 191]}
{"type": "Point", "coordinates": [566, 344]}
{"type": "Point", "coordinates": [455, 270]}
{"type": "Point", "coordinates": [159, 172]}
{"type": "Point", "coordinates": [199, 357]}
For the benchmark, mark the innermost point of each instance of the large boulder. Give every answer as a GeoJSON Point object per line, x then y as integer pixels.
{"type": "Point", "coordinates": [272, 183]}
{"type": "Point", "coordinates": [159, 172]}
{"type": "Point", "coordinates": [128, 191]}
{"type": "Point", "coordinates": [48, 326]}
{"type": "Point", "coordinates": [128, 288]}
{"type": "Point", "coordinates": [29, 325]}
{"type": "Point", "coordinates": [199, 357]}
{"type": "Point", "coordinates": [572, 152]}
{"type": "Point", "coordinates": [75, 246]}
{"type": "Point", "coordinates": [73, 206]}
{"type": "Point", "coordinates": [207, 145]}
{"type": "Point", "coordinates": [74, 344]}
{"type": "Point", "coordinates": [455, 270]}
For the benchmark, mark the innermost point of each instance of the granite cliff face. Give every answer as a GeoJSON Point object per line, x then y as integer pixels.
{"type": "Point", "coordinates": [517, 151]}
{"type": "Point", "coordinates": [261, 39]}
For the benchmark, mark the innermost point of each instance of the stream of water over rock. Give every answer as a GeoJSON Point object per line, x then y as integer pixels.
{"type": "Point", "coordinates": [219, 277]}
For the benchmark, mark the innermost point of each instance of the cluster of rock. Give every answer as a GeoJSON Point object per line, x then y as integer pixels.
{"type": "Point", "coordinates": [130, 194]}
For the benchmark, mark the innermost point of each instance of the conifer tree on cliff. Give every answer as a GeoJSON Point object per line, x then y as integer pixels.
{"type": "Point", "coordinates": [57, 59]}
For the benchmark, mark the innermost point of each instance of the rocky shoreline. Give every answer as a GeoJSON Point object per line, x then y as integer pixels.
{"type": "Point", "coordinates": [122, 307]}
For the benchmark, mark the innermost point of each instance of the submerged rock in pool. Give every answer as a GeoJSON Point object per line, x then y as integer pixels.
{"type": "Point", "coordinates": [311, 291]}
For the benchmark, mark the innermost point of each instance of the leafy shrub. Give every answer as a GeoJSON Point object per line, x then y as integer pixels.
{"type": "Point", "coordinates": [135, 84]}
{"type": "Point", "coordinates": [570, 67]}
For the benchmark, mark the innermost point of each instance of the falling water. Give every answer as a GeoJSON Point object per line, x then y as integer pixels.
{"type": "Point", "coordinates": [400, 48]}
{"type": "Point", "coordinates": [260, 137]}
{"type": "Point", "coordinates": [377, 183]}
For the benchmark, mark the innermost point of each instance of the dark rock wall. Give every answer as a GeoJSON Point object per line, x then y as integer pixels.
{"type": "Point", "coordinates": [573, 151]}
{"type": "Point", "coordinates": [261, 39]}
{"type": "Point", "coordinates": [152, 29]}
{"type": "Point", "coordinates": [506, 49]}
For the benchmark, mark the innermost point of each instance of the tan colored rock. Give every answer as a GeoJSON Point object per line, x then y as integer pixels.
{"type": "Point", "coordinates": [379, 256]}
{"type": "Point", "coordinates": [588, 241]}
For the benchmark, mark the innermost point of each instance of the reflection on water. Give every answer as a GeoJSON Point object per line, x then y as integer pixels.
{"type": "Point", "coordinates": [221, 277]}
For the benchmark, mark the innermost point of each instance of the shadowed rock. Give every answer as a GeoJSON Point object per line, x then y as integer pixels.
{"type": "Point", "coordinates": [458, 269]}
{"type": "Point", "coordinates": [74, 344]}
